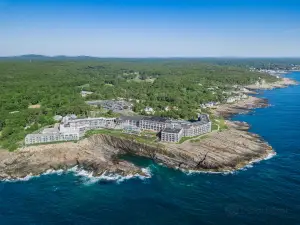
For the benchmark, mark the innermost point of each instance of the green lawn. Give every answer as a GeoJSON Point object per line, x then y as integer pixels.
{"type": "Point", "coordinates": [214, 127]}
{"type": "Point", "coordinates": [199, 137]}
{"type": "Point", "coordinates": [219, 124]}
{"type": "Point", "coordinates": [150, 140]}
{"type": "Point", "coordinates": [53, 142]}
{"type": "Point", "coordinates": [223, 125]}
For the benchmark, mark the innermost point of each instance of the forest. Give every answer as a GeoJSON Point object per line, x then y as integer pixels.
{"type": "Point", "coordinates": [33, 91]}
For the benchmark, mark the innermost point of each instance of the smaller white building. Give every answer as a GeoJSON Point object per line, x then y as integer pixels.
{"type": "Point", "coordinates": [57, 118]}
{"type": "Point", "coordinates": [85, 93]}
{"type": "Point", "coordinates": [244, 96]}
{"type": "Point", "coordinates": [149, 110]}
{"type": "Point", "coordinates": [231, 100]}
{"type": "Point", "coordinates": [208, 105]}
{"type": "Point", "coordinates": [70, 129]}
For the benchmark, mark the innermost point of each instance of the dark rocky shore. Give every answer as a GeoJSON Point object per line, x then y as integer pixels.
{"type": "Point", "coordinates": [219, 151]}
{"type": "Point", "coordinates": [241, 107]}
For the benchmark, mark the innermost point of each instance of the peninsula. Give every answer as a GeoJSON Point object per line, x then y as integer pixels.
{"type": "Point", "coordinates": [179, 121]}
{"type": "Point", "coordinates": [218, 151]}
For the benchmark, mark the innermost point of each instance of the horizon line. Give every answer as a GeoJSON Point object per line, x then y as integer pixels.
{"type": "Point", "coordinates": [149, 57]}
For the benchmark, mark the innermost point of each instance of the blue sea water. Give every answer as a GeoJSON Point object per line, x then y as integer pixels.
{"type": "Point", "coordinates": [267, 193]}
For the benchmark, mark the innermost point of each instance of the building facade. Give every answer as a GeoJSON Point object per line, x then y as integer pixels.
{"type": "Point", "coordinates": [154, 123]}
{"type": "Point", "coordinates": [192, 130]}
{"type": "Point", "coordinates": [125, 121]}
{"type": "Point", "coordinates": [71, 128]}
{"type": "Point", "coordinates": [51, 137]}
{"type": "Point", "coordinates": [171, 134]}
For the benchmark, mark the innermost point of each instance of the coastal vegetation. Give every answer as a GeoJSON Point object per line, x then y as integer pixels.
{"type": "Point", "coordinates": [54, 87]}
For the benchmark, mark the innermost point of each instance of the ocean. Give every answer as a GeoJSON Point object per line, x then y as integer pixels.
{"type": "Point", "coordinates": [267, 192]}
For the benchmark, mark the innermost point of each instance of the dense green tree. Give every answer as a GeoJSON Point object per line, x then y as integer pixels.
{"type": "Point", "coordinates": [54, 88]}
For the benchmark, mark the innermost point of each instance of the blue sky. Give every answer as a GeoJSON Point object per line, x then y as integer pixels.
{"type": "Point", "coordinates": [151, 28]}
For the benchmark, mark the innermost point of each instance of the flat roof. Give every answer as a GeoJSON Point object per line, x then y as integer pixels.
{"type": "Point", "coordinates": [51, 134]}
{"type": "Point", "coordinates": [50, 130]}
{"type": "Point", "coordinates": [91, 119]}
{"type": "Point", "coordinates": [136, 118]}
{"type": "Point", "coordinates": [172, 130]}
{"type": "Point", "coordinates": [156, 118]}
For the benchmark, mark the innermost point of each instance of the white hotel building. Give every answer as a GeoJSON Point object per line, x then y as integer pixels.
{"type": "Point", "coordinates": [69, 130]}
{"type": "Point", "coordinates": [72, 129]}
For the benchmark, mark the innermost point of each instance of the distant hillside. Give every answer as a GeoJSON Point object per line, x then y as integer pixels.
{"type": "Point", "coordinates": [47, 58]}
{"type": "Point", "coordinates": [282, 63]}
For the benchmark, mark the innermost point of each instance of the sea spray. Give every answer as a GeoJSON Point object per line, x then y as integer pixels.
{"type": "Point", "coordinates": [30, 176]}
{"type": "Point", "coordinates": [250, 165]}
{"type": "Point", "coordinates": [88, 176]}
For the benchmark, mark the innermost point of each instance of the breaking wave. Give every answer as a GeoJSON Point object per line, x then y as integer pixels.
{"type": "Point", "coordinates": [87, 176]}
{"type": "Point", "coordinates": [30, 176]}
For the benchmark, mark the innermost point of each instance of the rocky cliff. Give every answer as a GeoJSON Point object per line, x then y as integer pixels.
{"type": "Point", "coordinates": [86, 154]}
{"type": "Point", "coordinates": [218, 151]}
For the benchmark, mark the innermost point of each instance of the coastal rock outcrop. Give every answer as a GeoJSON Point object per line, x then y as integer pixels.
{"type": "Point", "coordinates": [35, 160]}
{"type": "Point", "coordinates": [243, 106]}
{"type": "Point", "coordinates": [218, 151]}
{"type": "Point", "coordinates": [225, 150]}
{"type": "Point", "coordinates": [282, 83]}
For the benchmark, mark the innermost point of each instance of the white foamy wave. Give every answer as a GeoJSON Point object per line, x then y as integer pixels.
{"type": "Point", "coordinates": [89, 178]}
{"type": "Point", "coordinates": [30, 176]}
{"type": "Point", "coordinates": [192, 172]}
{"type": "Point", "coordinates": [27, 178]}
{"type": "Point", "coordinates": [269, 156]}
{"type": "Point", "coordinates": [49, 172]}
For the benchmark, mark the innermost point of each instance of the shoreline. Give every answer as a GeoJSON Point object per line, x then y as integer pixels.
{"type": "Point", "coordinates": [98, 154]}
{"type": "Point", "coordinates": [283, 83]}
{"type": "Point", "coordinates": [225, 172]}
{"type": "Point", "coordinates": [88, 175]}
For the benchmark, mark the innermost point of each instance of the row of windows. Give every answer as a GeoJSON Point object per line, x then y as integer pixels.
{"type": "Point", "coordinates": [153, 127]}
{"type": "Point", "coordinates": [50, 138]}
{"type": "Point", "coordinates": [170, 139]}
{"type": "Point", "coordinates": [91, 124]}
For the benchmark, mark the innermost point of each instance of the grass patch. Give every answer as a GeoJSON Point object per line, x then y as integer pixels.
{"type": "Point", "coordinates": [214, 126]}
{"type": "Point", "coordinates": [185, 139]}
{"type": "Point", "coordinates": [199, 139]}
{"type": "Point", "coordinates": [219, 124]}
{"type": "Point", "coordinates": [202, 136]}
{"type": "Point", "coordinates": [53, 142]}
{"type": "Point", "coordinates": [149, 140]}
{"type": "Point", "coordinates": [117, 133]}
{"type": "Point", "coordinates": [103, 113]}
{"type": "Point", "coordinates": [223, 125]}
{"type": "Point", "coordinates": [148, 133]}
